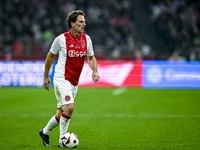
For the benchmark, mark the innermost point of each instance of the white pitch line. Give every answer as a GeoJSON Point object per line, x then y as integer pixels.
{"type": "Point", "coordinates": [139, 115]}
{"type": "Point", "coordinates": [110, 115]}
{"type": "Point", "coordinates": [118, 91]}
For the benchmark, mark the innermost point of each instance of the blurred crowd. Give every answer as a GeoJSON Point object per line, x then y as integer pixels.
{"type": "Point", "coordinates": [178, 26]}
{"type": "Point", "coordinates": [28, 27]}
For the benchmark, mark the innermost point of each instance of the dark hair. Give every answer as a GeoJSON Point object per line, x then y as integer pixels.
{"type": "Point", "coordinates": [73, 16]}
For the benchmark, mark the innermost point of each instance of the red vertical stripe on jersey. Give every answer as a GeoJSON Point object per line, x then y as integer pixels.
{"type": "Point", "coordinates": [76, 51]}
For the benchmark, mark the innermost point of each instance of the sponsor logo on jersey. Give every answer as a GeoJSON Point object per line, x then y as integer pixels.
{"type": "Point", "coordinates": [74, 53]}
{"type": "Point", "coordinates": [77, 46]}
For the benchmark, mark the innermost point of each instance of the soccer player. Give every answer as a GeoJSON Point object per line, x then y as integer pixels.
{"type": "Point", "coordinates": [72, 48]}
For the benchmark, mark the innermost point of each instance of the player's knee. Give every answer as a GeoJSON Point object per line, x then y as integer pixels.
{"type": "Point", "coordinates": [68, 109]}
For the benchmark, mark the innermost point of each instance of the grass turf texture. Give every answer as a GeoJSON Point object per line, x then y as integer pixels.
{"type": "Point", "coordinates": [110, 119]}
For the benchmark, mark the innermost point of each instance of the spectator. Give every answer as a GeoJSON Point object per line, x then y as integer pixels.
{"type": "Point", "coordinates": [110, 23]}
{"type": "Point", "coordinates": [176, 57]}
{"type": "Point", "coordinates": [18, 47]}
{"type": "Point", "coordinates": [178, 25]}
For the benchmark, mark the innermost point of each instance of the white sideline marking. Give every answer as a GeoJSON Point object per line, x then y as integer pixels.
{"type": "Point", "coordinates": [118, 91]}
{"type": "Point", "coordinates": [139, 116]}
{"type": "Point", "coordinates": [110, 115]}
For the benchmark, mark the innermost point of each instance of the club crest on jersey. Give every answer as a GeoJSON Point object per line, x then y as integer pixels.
{"type": "Point", "coordinates": [73, 53]}
{"type": "Point", "coordinates": [83, 45]}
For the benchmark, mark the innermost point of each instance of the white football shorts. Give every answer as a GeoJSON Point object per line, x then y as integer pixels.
{"type": "Point", "coordinates": [65, 92]}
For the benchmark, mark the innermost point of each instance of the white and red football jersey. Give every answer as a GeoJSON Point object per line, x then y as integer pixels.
{"type": "Point", "coordinates": [72, 52]}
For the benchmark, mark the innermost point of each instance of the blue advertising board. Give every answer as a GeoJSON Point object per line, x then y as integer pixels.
{"type": "Point", "coordinates": [23, 73]}
{"type": "Point", "coordinates": [171, 74]}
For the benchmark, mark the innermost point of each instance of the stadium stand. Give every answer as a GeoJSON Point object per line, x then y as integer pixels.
{"type": "Point", "coordinates": [133, 30]}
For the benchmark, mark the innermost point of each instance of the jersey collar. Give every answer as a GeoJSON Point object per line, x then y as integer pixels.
{"type": "Point", "coordinates": [73, 37]}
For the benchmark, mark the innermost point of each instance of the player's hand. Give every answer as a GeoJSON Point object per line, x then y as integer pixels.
{"type": "Point", "coordinates": [47, 82]}
{"type": "Point", "coordinates": [95, 77]}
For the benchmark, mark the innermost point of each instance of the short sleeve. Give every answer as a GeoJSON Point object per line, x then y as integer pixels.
{"type": "Point", "coordinates": [55, 47]}
{"type": "Point", "coordinates": [90, 51]}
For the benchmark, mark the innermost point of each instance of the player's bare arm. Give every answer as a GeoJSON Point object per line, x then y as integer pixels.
{"type": "Point", "coordinates": [93, 65]}
{"type": "Point", "coordinates": [48, 64]}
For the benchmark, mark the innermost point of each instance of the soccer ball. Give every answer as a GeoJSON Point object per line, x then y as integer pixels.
{"type": "Point", "coordinates": [69, 140]}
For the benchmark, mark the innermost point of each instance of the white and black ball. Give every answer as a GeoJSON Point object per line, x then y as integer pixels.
{"type": "Point", "coordinates": [69, 140]}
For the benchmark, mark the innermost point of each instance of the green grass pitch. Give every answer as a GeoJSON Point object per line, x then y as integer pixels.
{"type": "Point", "coordinates": [104, 118]}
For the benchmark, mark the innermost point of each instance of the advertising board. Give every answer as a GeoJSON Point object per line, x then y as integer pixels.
{"type": "Point", "coordinates": [114, 73]}
{"type": "Point", "coordinates": [22, 73]}
{"type": "Point", "coordinates": [145, 74]}
{"type": "Point", "coordinates": [171, 74]}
